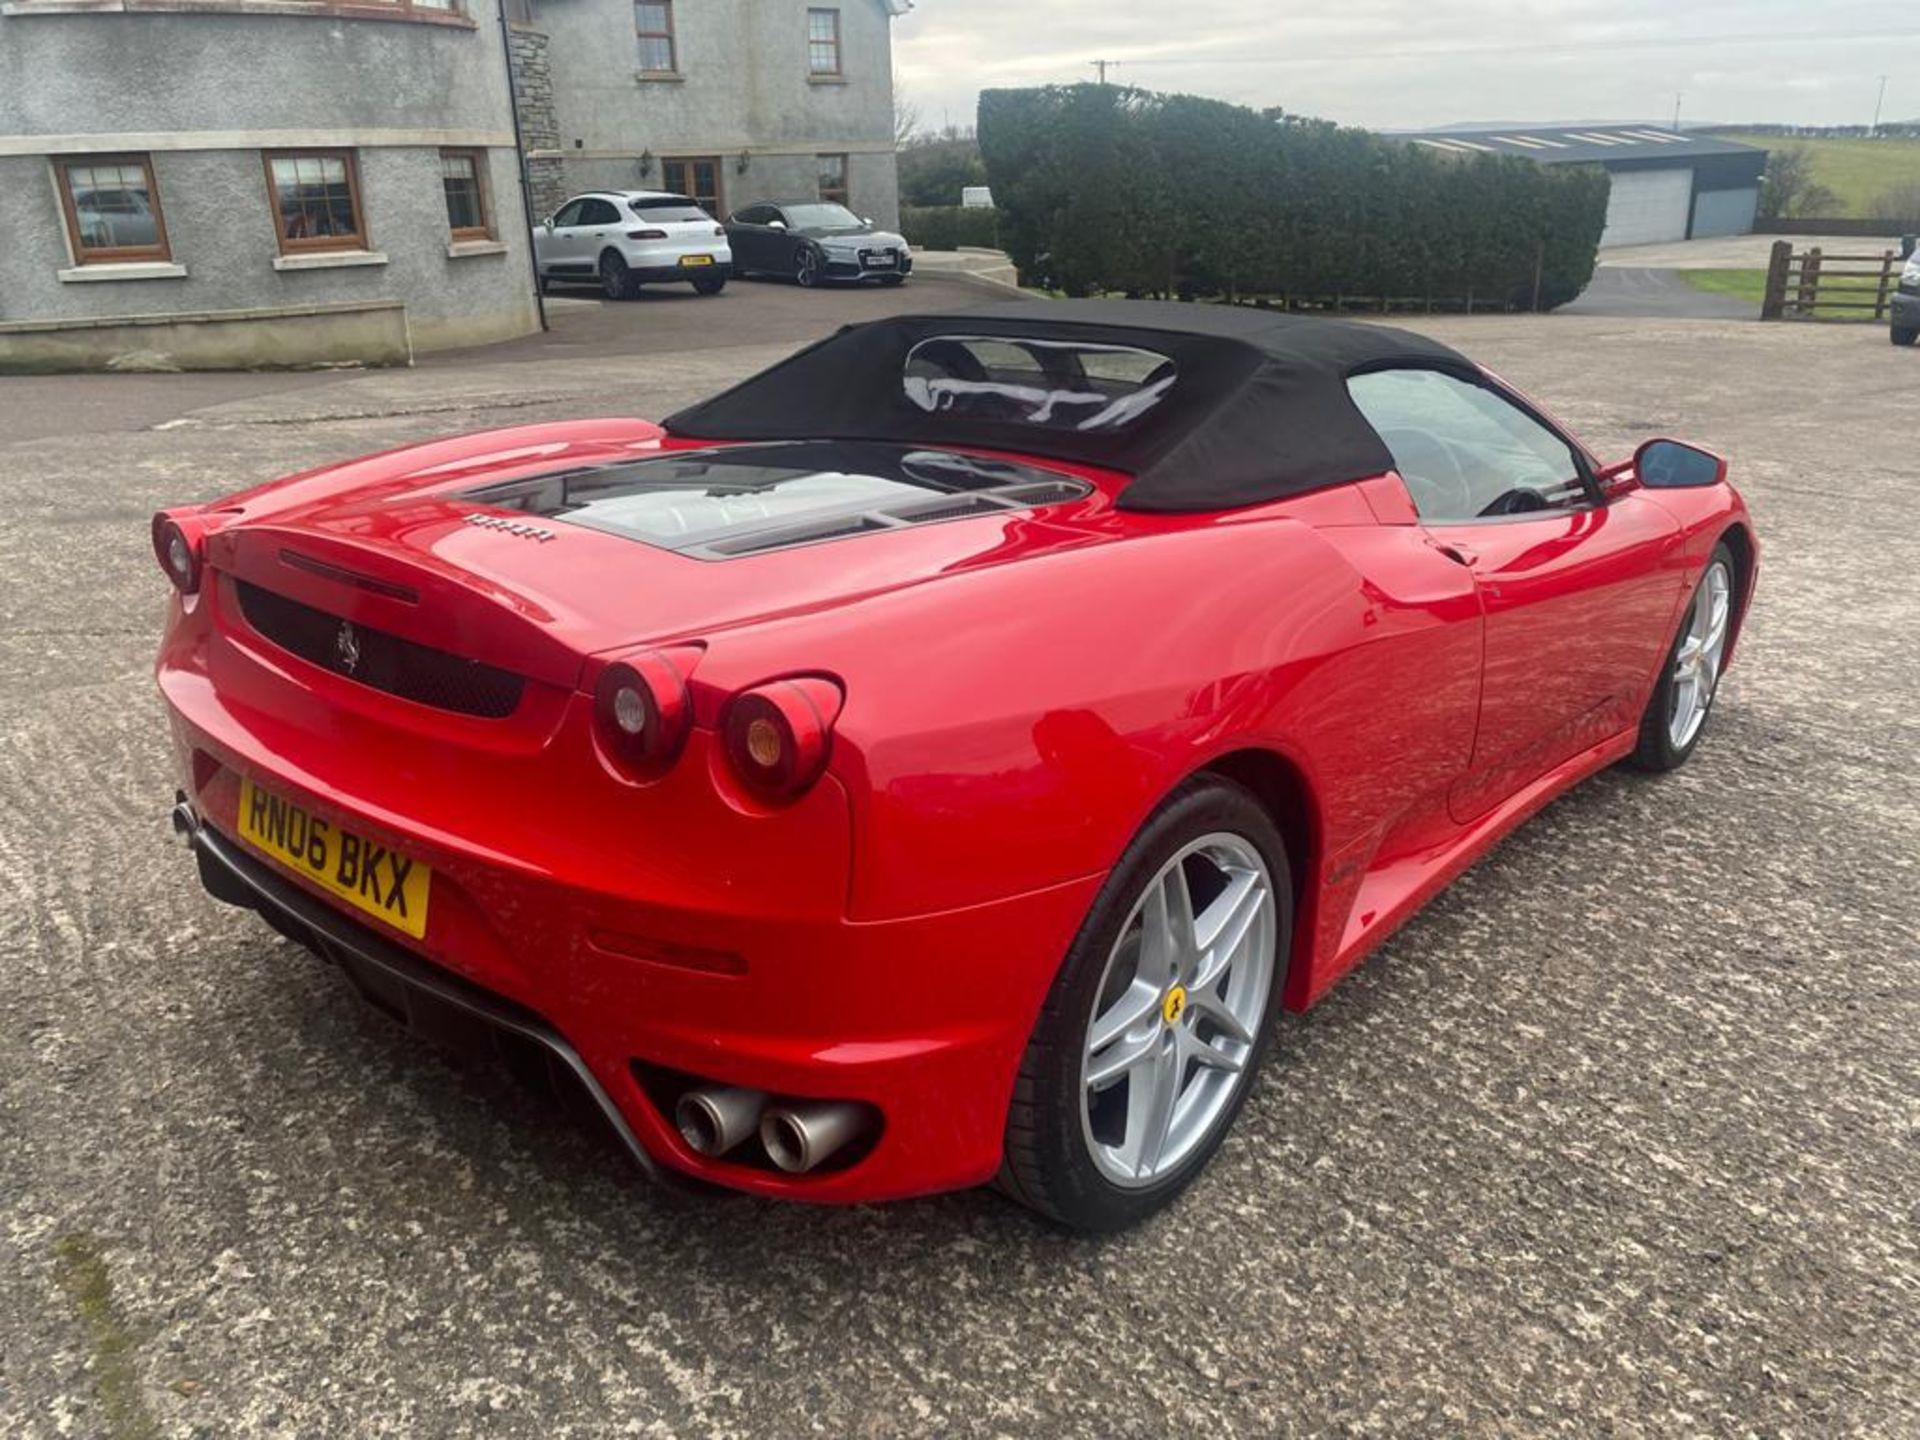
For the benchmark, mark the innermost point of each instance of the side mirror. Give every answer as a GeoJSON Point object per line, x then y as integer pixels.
{"type": "Point", "coordinates": [546, 223]}
{"type": "Point", "coordinates": [1671, 465]}
{"type": "Point", "coordinates": [776, 224]}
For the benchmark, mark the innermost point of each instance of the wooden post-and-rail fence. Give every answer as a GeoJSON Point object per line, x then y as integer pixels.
{"type": "Point", "coordinates": [1807, 285]}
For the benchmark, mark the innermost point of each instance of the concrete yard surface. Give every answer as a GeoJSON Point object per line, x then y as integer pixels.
{"type": "Point", "coordinates": [1617, 1138]}
{"type": "Point", "coordinates": [1738, 252]}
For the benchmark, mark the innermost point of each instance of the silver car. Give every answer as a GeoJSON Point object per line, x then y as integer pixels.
{"type": "Point", "coordinates": [623, 239]}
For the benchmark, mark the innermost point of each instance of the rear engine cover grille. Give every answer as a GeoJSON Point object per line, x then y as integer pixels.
{"type": "Point", "coordinates": [385, 662]}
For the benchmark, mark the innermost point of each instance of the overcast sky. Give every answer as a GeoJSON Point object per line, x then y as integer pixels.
{"type": "Point", "coordinates": [1408, 63]}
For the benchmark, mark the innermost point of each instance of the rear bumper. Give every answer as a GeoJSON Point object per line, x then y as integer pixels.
{"type": "Point", "coordinates": [923, 1019]}
{"type": "Point", "coordinates": [231, 875]}
{"type": "Point", "coordinates": [672, 274]}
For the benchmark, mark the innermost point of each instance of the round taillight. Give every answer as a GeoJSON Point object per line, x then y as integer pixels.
{"type": "Point", "coordinates": [779, 735]}
{"type": "Point", "coordinates": [178, 549]}
{"type": "Point", "coordinates": [643, 711]}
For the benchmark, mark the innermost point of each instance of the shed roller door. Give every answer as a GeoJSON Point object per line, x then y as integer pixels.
{"type": "Point", "coordinates": [1648, 207]}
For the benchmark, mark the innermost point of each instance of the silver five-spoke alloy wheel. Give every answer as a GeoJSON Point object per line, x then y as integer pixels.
{"type": "Point", "coordinates": [1176, 1013]}
{"type": "Point", "coordinates": [1696, 664]}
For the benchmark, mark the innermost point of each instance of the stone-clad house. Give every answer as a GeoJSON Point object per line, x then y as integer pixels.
{"type": "Point", "coordinates": [731, 101]}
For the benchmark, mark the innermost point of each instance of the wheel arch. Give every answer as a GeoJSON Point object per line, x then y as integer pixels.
{"type": "Point", "coordinates": [1283, 790]}
{"type": "Point", "coordinates": [1740, 543]}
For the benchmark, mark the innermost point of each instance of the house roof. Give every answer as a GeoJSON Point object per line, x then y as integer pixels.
{"type": "Point", "coordinates": [1577, 144]}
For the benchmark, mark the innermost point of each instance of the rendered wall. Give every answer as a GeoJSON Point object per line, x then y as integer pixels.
{"type": "Point", "coordinates": [234, 85]}
{"type": "Point", "coordinates": [742, 86]}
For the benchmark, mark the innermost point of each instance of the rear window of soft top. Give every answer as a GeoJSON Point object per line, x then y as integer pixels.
{"type": "Point", "coordinates": [1048, 384]}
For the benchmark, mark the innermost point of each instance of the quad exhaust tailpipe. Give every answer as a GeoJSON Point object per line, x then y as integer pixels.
{"type": "Point", "coordinates": [807, 1133]}
{"type": "Point", "coordinates": [713, 1119]}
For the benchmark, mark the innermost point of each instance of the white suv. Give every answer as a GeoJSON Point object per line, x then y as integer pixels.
{"type": "Point", "coordinates": [623, 239]}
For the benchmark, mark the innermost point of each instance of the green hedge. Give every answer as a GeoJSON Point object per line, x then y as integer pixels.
{"type": "Point", "coordinates": [947, 227]}
{"type": "Point", "coordinates": [1103, 188]}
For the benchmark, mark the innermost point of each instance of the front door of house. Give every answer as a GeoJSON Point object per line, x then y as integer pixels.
{"type": "Point", "coordinates": [697, 176]}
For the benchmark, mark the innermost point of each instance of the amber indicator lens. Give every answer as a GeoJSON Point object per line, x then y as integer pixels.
{"type": "Point", "coordinates": [765, 744]}
{"type": "Point", "coordinates": [779, 735]}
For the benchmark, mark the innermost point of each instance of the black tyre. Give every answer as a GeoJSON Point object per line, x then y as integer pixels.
{"type": "Point", "coordinates": [1160, 1017]}
{"type": "Point", "coordinates": [1676, 713]}
{"type": "Point", "coordinates": [809, 267]}
{"type": "Point", "coordinates": [1904, 334]}
{"type": "Point", "coordinates": [616, 281]}
{"type": "Point", "coordinates": [709, 284]}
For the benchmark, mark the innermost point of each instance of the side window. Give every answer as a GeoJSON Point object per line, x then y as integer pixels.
{"type": "Point", "coordinates": [1464, 450]}
{"type": "Point", "coordinates": [753, 215]}
{"type": "Point", "coordinates": [569, 214]}
{"type": "Point", "coordinates": [598, 212]}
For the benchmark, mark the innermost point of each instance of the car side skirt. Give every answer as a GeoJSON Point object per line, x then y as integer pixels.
{"type": "Point", "coordinates": [1382, 898]}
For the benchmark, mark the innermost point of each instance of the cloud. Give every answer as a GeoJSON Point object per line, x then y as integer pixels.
{"type": "Point", "coordinates": [1391, 63]}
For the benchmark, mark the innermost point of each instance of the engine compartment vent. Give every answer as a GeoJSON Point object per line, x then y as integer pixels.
{"type": "Point", "coordinates": [720, 504]}
{"type": "Point", "coordinates": [382, 661]}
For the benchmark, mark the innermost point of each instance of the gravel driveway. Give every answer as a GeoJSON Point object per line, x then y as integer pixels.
{"type": "Point", "coordinates": [1618, 1138]}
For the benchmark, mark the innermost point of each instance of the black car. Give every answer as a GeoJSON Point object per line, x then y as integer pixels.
{"type": "Point", "coordinates": [815, 240]}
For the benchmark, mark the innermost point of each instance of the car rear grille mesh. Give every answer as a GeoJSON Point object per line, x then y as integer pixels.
{"type": "Point", "coordinates": [384, 662]}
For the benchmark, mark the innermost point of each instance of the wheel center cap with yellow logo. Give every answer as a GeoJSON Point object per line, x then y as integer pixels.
{"type": "Point", "coordinates": [1174, 1006]}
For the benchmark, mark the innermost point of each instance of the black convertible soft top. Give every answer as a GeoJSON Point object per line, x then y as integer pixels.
{"type": "Point", "coordinates": [1257, 410]}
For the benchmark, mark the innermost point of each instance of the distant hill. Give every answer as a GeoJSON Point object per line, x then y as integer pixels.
{"type": "Point", "coordinates": [1888, 130]}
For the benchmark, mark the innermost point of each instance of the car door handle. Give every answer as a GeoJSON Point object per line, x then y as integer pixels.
{"type": "Point", "coordinates": [1459, 554]}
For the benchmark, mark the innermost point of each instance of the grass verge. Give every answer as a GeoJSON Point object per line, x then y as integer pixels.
{"type": "Point", "coordinates": [1858, 171]}
{"type": "Point", "coordinates": [1751, 286]}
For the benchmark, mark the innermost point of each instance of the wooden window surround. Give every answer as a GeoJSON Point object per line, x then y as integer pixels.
{"type": "Point", "coordinates": [463, 177]}
{"type": "Point", "coordinates": [315, 197]}
{"type": "Point", "coordinates": [112, 209]}
{"type": "Point", "coordinates": [653, 24]}
{"type": "Point", "coordinates": [823, 43]}
{"type": "Point", "coordinates": [833, 179]}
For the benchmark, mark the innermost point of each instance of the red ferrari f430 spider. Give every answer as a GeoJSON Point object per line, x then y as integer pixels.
{"type": "Point", "coordinates": [935, 759]}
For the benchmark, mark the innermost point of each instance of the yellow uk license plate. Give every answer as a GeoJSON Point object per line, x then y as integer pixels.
{"type": "Point", "coordinates": [696, 259]}
{"type": "Point", "coordinates": [367, 875]}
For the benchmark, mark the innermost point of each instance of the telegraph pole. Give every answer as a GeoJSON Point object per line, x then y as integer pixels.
{"type": "Point", "coordinates": [1874, 129]}
{"type": "Point", "coordinates": [1102, 66]}
{"type": "Point", "coordinates": [1676, 110]}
